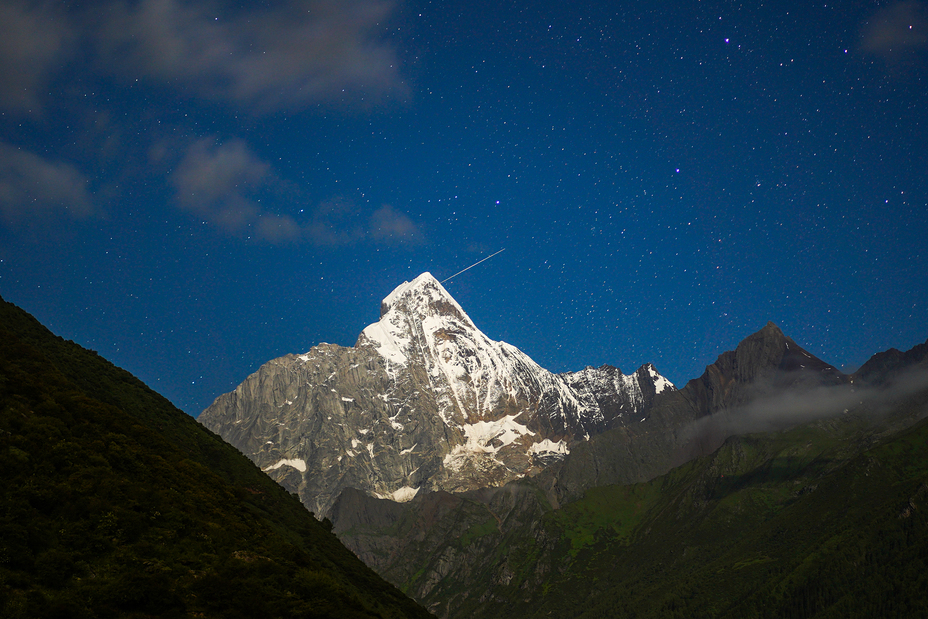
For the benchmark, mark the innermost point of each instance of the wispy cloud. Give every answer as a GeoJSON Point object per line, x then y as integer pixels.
{"type": "Point", "coordinates": [777, 409]}
{"type": "Point", "coordinates": [35, 40]}
{"type": "Point", "coordinates": [33, 188]}
{"type": "Point", "coordinates": [335, 223]}
{"type": "Point", "coordinates": [220, 182]}
{"type": "Point", "coordinates": [339, 222]}
{"type": "Point", "coordinates": [294, 54]}
{"type": "Point", "coordinates": [896, 30]}
{"type": "Point", "coordinates": [258, 58]}
{"type": "Point", "coordinates": [390, 226]}
{"type": "Point", "coordinates": [291, 55]}
{"type": "Point", "coordinates": [217, 182]}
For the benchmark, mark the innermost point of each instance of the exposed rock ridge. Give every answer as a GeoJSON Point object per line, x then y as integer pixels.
{"type": "Point", "coordinates": [886, 365]}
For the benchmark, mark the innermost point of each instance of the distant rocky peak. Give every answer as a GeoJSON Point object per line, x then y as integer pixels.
{"type": "Point", "coordinates": [770, 349]}
{"type": "Point", "coordinates": [760, 352]}
{"type": "Point", "coordinates": [764, 362]}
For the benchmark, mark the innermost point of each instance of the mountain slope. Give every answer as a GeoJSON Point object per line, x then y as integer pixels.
{"type": "Point", "coordinates": [693, 421]}
{"type": "Point", "coordinates": [825, 516]}
{"type": "Point", "coordinates": [115, 503]}
{"type": "Point", "coordinates": [424, 401]}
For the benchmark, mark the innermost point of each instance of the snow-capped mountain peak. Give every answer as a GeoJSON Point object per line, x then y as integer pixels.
{"type": "Point", "coordinates": [423, 400]}
{"type": "Point", "coordinates": [410, 316]}
{"type": "Point", "coordinates": [424, 296]}
{"type": "Point", "coordinates": [471, 375]}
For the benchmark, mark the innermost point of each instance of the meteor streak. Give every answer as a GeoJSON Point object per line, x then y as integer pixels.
{"type": "Point", "coordinates": [472, 266]}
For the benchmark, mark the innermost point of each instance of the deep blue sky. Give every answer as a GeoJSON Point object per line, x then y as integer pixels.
{"type": "Point", "coordinates": [194, 188]}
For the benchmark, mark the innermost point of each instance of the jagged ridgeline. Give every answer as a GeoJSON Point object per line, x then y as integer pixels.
{"type": "Point", "coordinates": [803, 492]}
{"type": "Point", "coordinates": [424, 401]}
{"type": "Point", "coordinates": [113, 503]}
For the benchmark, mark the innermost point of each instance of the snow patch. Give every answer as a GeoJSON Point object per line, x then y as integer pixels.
{"type": "Point", "coordinates": [404, 494]}
{"type": "Point", "coordinates": [547, 446]}
{"type": "Point", "coordinates": [660, 383]}
{"type": "Point", "coordinates": [296, 463]}
{"type": "Point", "coordinates": [480, 438]}
{"type": "Point", "coordinates": [388, 343]}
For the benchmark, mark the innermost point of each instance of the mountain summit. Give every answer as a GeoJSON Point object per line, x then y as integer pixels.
{"type": "Point", "coordinates": [423, 401]}
{"type": "Point", "coordinates": [472, 377]}
{"type": "Point", "coordinates": [409, 314]}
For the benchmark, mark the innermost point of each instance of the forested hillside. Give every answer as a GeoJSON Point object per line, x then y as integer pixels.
{"type": "Point", "coordinates": [116, 504]}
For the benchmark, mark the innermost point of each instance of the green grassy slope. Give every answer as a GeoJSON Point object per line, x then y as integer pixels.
{"type": "Point", "coordinates": [824, 519]}
{"type": "Point", "coordinates": [805, 523]}
{"type": "Point", "coordinates": [113, 503]}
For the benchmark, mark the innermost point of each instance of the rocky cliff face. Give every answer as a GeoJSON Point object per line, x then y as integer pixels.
{"type": "Point", "coordinates": [424, 401]}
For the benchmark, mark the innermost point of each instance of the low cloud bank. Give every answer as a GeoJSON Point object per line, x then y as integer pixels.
{"type": "Point", "coordinates": [771, 411]}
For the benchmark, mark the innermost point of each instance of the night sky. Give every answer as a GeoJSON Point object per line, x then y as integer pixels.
{"type": "Point", "coordinates": [194, 188]}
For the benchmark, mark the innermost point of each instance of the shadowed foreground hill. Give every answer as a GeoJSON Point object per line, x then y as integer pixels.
{"type": "Point", "coordinates": [113, 503]}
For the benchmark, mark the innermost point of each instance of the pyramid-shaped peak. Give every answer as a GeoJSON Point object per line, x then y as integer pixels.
{"type": "Point", "coordinates": [423, 296]}
{"type": "Point", "coordinates": [423, 283]}
{"type": "Point", "coordinates": [770, 348]}
{"type": "Point", "coordinates": [771, 329]}
{"type": "Point", "coordinates": [765, 347]}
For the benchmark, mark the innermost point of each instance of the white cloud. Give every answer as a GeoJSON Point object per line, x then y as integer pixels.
{"type": "Point", "coordinates": [219, 182]}
{"type": "Point", "coordinates": [211, 172]}
{"type": "Point", "coordinates": [389, 225]}
{"type": "Point", "coordinates": [775, 409]}
{"type": "Point", "coordinates": [33, 187]}
{"type": "Point", "coordinates": [897, 29]}
{"type": "Point", "coordinates": [294, 54]}
{"type": "Point", "coordinates": [340, 222]}
{"type": "Point", "coordinates": [216, 181]}
{"type": "Point", "coordinates": [34, 41]}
